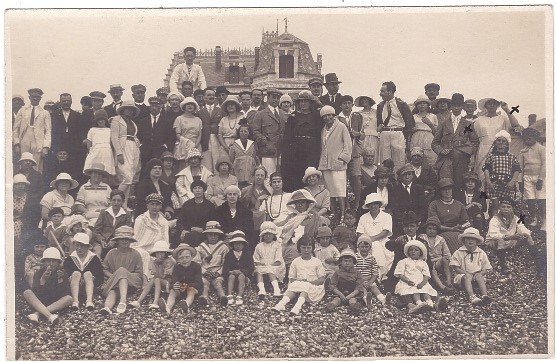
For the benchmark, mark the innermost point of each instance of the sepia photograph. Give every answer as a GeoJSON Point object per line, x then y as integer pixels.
{"type": "Point", "coordinates": [279, 183]}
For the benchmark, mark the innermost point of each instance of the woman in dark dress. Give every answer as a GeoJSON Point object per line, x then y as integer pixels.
{"type": "Point", "coordinates": [194, 215]}
{"type": "Point", "coordinates": [301, 142]}
{"type": "Point", "coordinates": [153, 184]}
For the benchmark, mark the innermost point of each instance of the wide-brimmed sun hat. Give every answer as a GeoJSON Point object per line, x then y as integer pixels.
{"type": "Point", "coordinates": [96, 167]}
{"type": "Point", "coordinates": [230, 99]}
{"type": "Point", "coordinates": [301, 195]}
{"type": "Point", "coordinates": [422, 98]}
{"type": "Point", "coordinates": [27, 156]}
{"type": "Point", "coordinates": [309, 172]}
{"type": "Point", "coordinates": [484, 101]}
{"type": "Point", "coordinates": [371, 198]}
{"type": "Point", "coordinates": [20, 179]}
{"type": "Point", "coordinates": [177, 251]}
{"type": "Point", "coordinates": [213, 227]}
{"type": "Point", "coordinates": [418, 244]}
{"type": "Point", "coordinates": [471, 233]}
{"type": "Point", "coordinates": [161, 246]}
{"type": "Point", "coordinates": [268, 227]}
{"type": "Point", "coordinates": [358, 100]}
{"type": "Point", "coordinates": [193, 152]}
{"type": "Point", "coordinates": [64, 177]}
{"type": "Point", "coordinates": [128, 104]}
{"type": "Point", "coordinates": [188, 100]}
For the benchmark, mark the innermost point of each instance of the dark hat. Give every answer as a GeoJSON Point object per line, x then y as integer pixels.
{"type": "Point", "coordinates": [54, 211]}
{"type": "Point", "coordinates": [274, 90]}
{"type": "Point", "coordinates": [445, 182]}
{"type": "Point", "coordinates": [151, 164]}
{"type": "Point", "coordinates": [16, 96]}
{"type": "Point", "coordinates": [433, 86]}
{"type": "Point", "coordinates": [115, 87]}
{"type": "Point", "coordinates": [221, 89]}
{"type": "Point", "coordinates": [382, 171]}
{"type": "Point", "coordinates": [405, 168]}
{"type": "Point", "coordinates": [198, 183]}
{"type": "Point", "coordinates": [138, 88]}
{"type": "Point", "coordinates": [358, 100]}
{"type": "Point", "coordinates": [346, 98]}
{"type": "Point", "coordinates": [433, 220]}
{"type": "Point", "coordinates": [40, 240]}
{"type": "Point", "coordinates": [86, 101]}
{"type": "Point", "coordinates": [97, 95]}
{"type": "Point", "coordinates": [458, 99]}
{"type": "Point", "coordinates": [167, 154]}
{"type": "Point", "coordinates": [316, 80]}
{"type": "Point", "coordinates": [101, 114]}
{"type": "Point", "coordinates": [198, 92]}
{"type": "Point", "coordinates": [163, 90]}
{"type": "Point", "coordinates": [409, 217]}
{"type": "Point", "coordinates": [331, 78]}
{"type": "Point", "coordinates": [35, 91]}
{"type": "Point", "coordinates": [154, 100]}
{"type": "Point", "coordinates": [530, 132]}
{"type": "Point", "coordinates": [471, 176]}
{"type": "Point", "coordinates": [506, 200]}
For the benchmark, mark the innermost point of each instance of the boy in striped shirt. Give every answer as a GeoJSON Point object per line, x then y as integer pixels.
{"type": "Point", "coordinates": [368, 267]}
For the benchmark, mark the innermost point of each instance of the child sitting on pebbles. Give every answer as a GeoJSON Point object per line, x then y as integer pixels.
{"type": "Point", "coordinates": [238, 265]}
{"type": "Point", "coordinates": [187, 280]}
{"type": "Point", "coordinates": [439, 255]}
{"type": "Point", "coordinates": [347, 284]}
{"type": "Point", "coordinates": [470, 265]}
{"type": "Point", "coordinates": [367, 265]}
{"type": "Point", "coordinates": [326, 252]}
{"type": "Point", "coordinates": [268, 259]}
{"type": "Point", "coordinates": [33, 261]}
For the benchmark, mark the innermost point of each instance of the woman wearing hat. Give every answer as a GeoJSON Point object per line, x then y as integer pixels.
{"type": "Point", "coordinates": [26, 213]}
{"type": "Point", "coordinates": [58, 197]}
{"type": "Point", "coordinates": [193, 171]}
{"type": "Point", "coordinates": [451, 213]}
{"type": "Point", "coordinates": [25, 166]}
{"type": "Point", "coordinates": [188, 131]}
{"type": "Point", "coordinates": [285, 104]}
{"type": "Point", "coordinates": [382, 186]}
{"type": "Point", "coordinates": [168, 172]}
{"type": "Point", "coordinates": [123, 268]}
{"type": "Point", "coordinates": [98, 144]}
{"type": "Point", "coordinates": [219, 182]}
{"type": "Point", "coordinates": [301, 141]}
{"type": "Point", "coordinates": [471, 198]}
{"type": "Point", "coordinates": [300, 208]}
{"type": "Point", "coordinates": [488, 125]}
{"type": "Point", "coordinates": [123, 136]}
{"type": "Point", "coordinates": [425, 127]}
{"type": "Point", "coordinates": [229, 124]}
{"type": "Point", "coordinates": [93, 196]}
{"type": "Point", "coordinates": [152, 183]}
{"type": "Point", "coordinates": [369, 122]}
{"type": "Point", "coordinates": [318, 192]}
{"type": "Point", "coordinates": [194, 215]}
{"type": "Point", "coordinates": [173, 110]}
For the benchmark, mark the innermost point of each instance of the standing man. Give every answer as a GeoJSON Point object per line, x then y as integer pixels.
{"type": "Point", "coordinates": [17, 103]}
{"type": "Point", "coordinates": [332, 98]}
{"type": "Point", "coordinates": [432, 90]}
{"type": "Point", "coordinates": [188, 71]}
{"type": "Point", "coordinates": [162, 94]}
{"type": "Point", "coordinates": [116, 91]}
{"type": "Point", "coordinates": [257, 96]}
{"type": "Point", "coordinates": [210, 115]}
{"type": "Point", "coordinates": [155, 132]}
{"type": "Point", "coordinates": [395, 123]}
{"type": "Point", "coordinates": [455, 142]}
{"type": "Point", "coordinates": [268, 130]}
{"type": "Point", "coordinates": [315, 85]}
{"type": "Point", "coordinates": [32, 129]}
{"type": "Point", "coordinates": [187, 89]}
{"type": "Point", "coordinates": [138, 94]}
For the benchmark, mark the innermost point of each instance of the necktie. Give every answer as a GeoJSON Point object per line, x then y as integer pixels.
{"type": "Point", "coordinates": [210, 110]}
{"type": "Point", "coordinates": [154, 121]}
{"type": "Point", "coordinates": [331, 99]}
{"type": "Point", "coordinates": [32, 120]}
{"type": "Point", "coordinates": [117, 105]}
{"type": "Point", "coordinates": [470, 253]}
{"type": "Point", "coordinates": [276, 114]}
{"type": "Point", "coordinates": [407, 188]}
{"type": "Point", "coordinates": [388, 114]}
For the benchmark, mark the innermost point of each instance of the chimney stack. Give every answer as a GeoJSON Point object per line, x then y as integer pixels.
{"type": "Point", "coordinates": [218, 54]}
{"type": "Point", "coordinates": [257, 52]}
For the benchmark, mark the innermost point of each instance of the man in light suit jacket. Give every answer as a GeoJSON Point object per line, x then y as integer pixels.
{"type": "Point", "coordinates": [32, 129]}
{"type": "Point", "coordinates": [210, 115]}
{"type": "Point", "coordinates": [455, 141]}
{"type": "Point", "coordinates": [188, 71]}
{"type": "Point", "coordinates": [268, 129]}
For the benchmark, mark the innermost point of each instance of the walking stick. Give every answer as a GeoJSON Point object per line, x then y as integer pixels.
{"type": "Point", "coordinates": [58, 244]}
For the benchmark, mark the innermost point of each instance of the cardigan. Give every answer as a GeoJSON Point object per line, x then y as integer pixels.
{"type": "Point", "coordinates": [336, 147]}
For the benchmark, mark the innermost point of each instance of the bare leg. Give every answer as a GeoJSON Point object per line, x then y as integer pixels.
{"type": "Point", "coordinates": [157, 289]}
{"type": "Point", "coordinates": [38, 306]}
{"type": "Point", "coordinates": [122, 285]}
{"type": "Point", "coordinates": [447, 272]}
{"type": "Point", "coordinates": [171, 301]}
{"type": "Point", "coordinates": [241, 285]}
{"type": "Point", "coordinates": [206, 287]}
{"type": "Point", "coordinates": [231, 283]}
{"type": "Point", "coordinates": [481, 283]}
{"type": "Point", "coordinates": [436, 279]}
{"type": "Point", "coordinates": [75, 278]}
{"type": "Point", "coordinates": [29, 277]}
{"type": "Point", "coordinates": [218, 285]}
{"type": "Point", "coordinates": [342, 202]}
{"type": "Point", "coordinates": [191, 292]}
{"type": "Point", "coordinates": [467, 282]}
{"type": "Point", "coordinates": [110, 299]}
{"type": "Point", "coordinates": [146, 290]}
{"type": "Point", "coordinates": [89, 286]}
{"type": "Point", "coordinates": [416, 298]}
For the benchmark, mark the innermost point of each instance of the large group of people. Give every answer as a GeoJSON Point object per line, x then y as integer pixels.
{"type": "Point", "coordinates": [202, 189]}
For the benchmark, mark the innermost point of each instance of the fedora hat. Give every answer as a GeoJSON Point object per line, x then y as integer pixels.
{"type": "Point", "coordinates": [471, 233]}
{"type": "Point", "coordinates": [331, 78]}
{"type": "Point", "coordinates": [96, 167]}
{"type": "Point", "coordinates": [309, 172]}
{"type": "Point", "coordinates": [64, 177]}
{"type": "Point", "coordinates": [177, 251]}
{"type": "Point", "coordinates": [124, 232]}
{"type": "Point", "coordinates": [374, 197]}
{"type": "Point", "coordinates": [418, 244]}
{"type": "Point", "coordinates": [358, 100]}
{"type": "Point", "coordinates": [213, 227]}
{"type": "Point", "coordinates": [27, 156]}
{"type": "Point", "coordinates": [188, 100]}
{"type": "Point", "coordinates": [51, 253]}
{"type": "Point", "coordinates": [348, 253]}
{"type": "Point", "coordinates": [20, 179]}
{"type": "Point", "coordinates": [82, 238]}
{"type": "Point", "coordinates": [422, 98]}
{"type": "Point", "coordinates": [161, 246]}
{"type": "Point", "coordinates": [128, 104]}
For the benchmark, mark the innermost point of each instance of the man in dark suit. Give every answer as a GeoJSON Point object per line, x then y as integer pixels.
{"type": "Point", "coordinates": [69, 130]}
{"type": "Point", "coordinates": [332, 98]}
{"type": "Point", "coordinates": [455, 142]}
{"type": "Point", "coordinates": [268, 129]}
{"type": "Point", "coordinates": [210, 115]}
{"type": "Point", "coordinates": [116, 91]}
{"type": "Point", "coordinates": [424, 173]}
{"type": "Point", "coordinates": [257, 97]}
{"type": "Point", "coordinates": [138, 94]}
{"type": "Point", "coordinates": [155, 132]}
{"type": "Point", "coordinates": [395, 123]}
{"type": "Point", "coordinates": [406, 196]}
{"type": "Point", "coordinates": [97, 100]}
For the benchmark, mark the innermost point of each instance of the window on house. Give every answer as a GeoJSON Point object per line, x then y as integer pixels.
{"type": "Point", "coordinates": [286, 66]}
{"type": "Point", "coordinates": [234, 74]}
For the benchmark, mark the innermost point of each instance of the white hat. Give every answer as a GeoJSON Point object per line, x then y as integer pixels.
{"type": "Point", "coordinates": [161, 246]}
{"type": "Point", "coordinates": [285, 98]}
{"type": "Point", "coordinates": [374, 197]}
{"type": "Point", "coordinates": [471, 233]}
{"type": "Point", "coordinates": [20, 179]}
{"type": "Point", "coordinates": [81, 238]}
{"type": "Point", "coordinates": [64, 177]}
{"type": "Point", "coordinates": [238, 238]}
{"type": "Point", "coordinates": [268, 227]}
{"type": "Point", "coordinates": [309, 172]}
{"type": "Point", "coordinates": [418, 244]}
{"type": "Point", "coordinates": [27, 156]}
{"type": "Point", "coordinates": [51, 253]}
{"type": "Point", "coordinates": [189, 100]}
{"type": "Point", "coordinates": [348, 252]}
{"type": "Point", "coordinates": [364, 239]}
{"type": "Point", "coordinates": [327, 110]}
{"type": "Point", "coordinates": [503, 134]}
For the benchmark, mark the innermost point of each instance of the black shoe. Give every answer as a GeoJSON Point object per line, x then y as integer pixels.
{"type": "Point", "coordinates": [441, 304]}
{"type": "Point", "coordinates": [202, 301]}
{"type": "Point", "coordinates": [223, 301]}
{"type": "Point", "coordinates": [262, 297]}
{"type": "Point", "coordinates": [486, 299]}
{"type": "Point", "coordinates": [184, 307]}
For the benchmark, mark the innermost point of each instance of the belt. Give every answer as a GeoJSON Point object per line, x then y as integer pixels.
{"type": "Point", "coordinates": [306, 137]}
{"type": "Point", "coordinates": [392, 129]}
{"type": "Point", "coordinates": [131, 138]}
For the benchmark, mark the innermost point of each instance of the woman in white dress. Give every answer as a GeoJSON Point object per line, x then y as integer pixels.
{"type": "Point", "coordinates": [369, 123]}
{"type": "Point", "coordinates": [424, 130]}
{"type": "Point", "coordinates": [98, 144]}
{"type": "Point", "coordinates": [228, 126]}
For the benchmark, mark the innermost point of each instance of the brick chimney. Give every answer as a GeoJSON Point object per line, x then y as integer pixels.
{"type": "Point", "coordinates": [257, 52]}
{"type": "Point", "coordinates": [218, 55]}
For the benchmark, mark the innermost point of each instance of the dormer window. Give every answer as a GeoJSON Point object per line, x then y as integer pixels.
{"type": "Point", "coordinates": [233, 74]}
{"type": "Point", "coordinates": [286, 66]}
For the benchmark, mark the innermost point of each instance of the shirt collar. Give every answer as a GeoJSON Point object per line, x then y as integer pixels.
{"type": "Point", "coordinates": [272, 109]}
{"type": "Point", "coordinates": [111, 212]}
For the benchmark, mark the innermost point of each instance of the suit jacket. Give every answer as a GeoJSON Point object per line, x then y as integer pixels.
{"type": "Point", "coordinates": [446, 138]}
{"type": "Point", "coordinates": [41, 131]}
{"type": "Point", "coordinates": [400, 201]}
{"type": "Point", "coordinates": [157, 139]}
{"type": "Point", "coordinates": [180, 75]}
{"type": "Point", "coordinates": [406, 115]}
{"type": "Point", "coordinates": [325, 100]}
{"type": "Point", "coordinates": [72, 139]}
{"type": "Point", "coordinates": [143, 111]}
{"type": "Point", "coordinates": [268, 132]}
{"type": "Point", "coordinates": [428, 178]}
{"type": "Point", "coordinates": [210, 124]}
{"type": "Point", "coordinates": [111, 110]}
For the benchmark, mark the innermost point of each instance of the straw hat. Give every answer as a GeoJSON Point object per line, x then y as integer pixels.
{"type": "Point", "coordinates": [188, 100]}
{"type": "Point", "coordinates": [348, 253]}
{"type": "Point", "coordinates": [213, 227]}
{"type": "Point", "coordinates": [230, 99]}
{"type": "Point", "coordinates": [27, 156]}
{"type": "Point", "coordinates": [483, 101]}
{"type": "Point", "coordinates": [422, 98]}
{"type": "Point", "coordinates": [177, 251]}
{"type": "Point", "coordinates": [124, 232]}
{"type": "Point", "coordinates": [238, 239]}
{"type": "Point", "coordinates": [161, 246]}
{"type": "Point", "coordinates": [128, 104]}
{"type": "Point", "coordinates": [64, 177]}
{"type": "Point", "coordinates": [471, 233]}
{"type": "Point", "coordinates": [193, 152]}
{"type": "Point", "coordinates": [20, 179]}
{"type": "Point", "coordinates": [309, 172]}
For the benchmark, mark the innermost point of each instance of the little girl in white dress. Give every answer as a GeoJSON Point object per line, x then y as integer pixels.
{"type": "Point", "coordinates": [98, 143]}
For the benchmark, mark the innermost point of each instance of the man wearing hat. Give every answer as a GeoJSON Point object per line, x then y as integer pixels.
{"type": "Point", "coordinates": [455, 142]}
{"type": "Point", "coordinates": [221, 94]}
{"type": "Point", "coordinates": [97, 100]}
{"type": "Point", "coordinates": [315, 86]}
{"type": "Point", "coordinates": [332, 98]}
{"type": "Point", "coordinates": [425, 175]}
{"type": "Point", "coordinates": [395, 124]}
{"type": "Point", "coordinates": [188, 71]}
{"type": "Point", "coordinates": [32, 129]}
{"type": "Point", "coordinates": [138, 94]}
{"type": "Point", "coordinates": [407, 196]}
{"type": "Point", "coordinates": [210, 115]}
{"type": "Point", "coordinates": [162, 94]}
{"type": "Point", "coordinates": [155, 132]}
{"type": "Point", "coordinates": [116, 91]}
{"type": "Point", "coordinates": [269, 136]}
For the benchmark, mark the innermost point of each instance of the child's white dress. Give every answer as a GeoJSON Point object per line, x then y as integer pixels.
{"type": "Point", "coordinates": [414, 270]}
{"type": "Point", "coordinates": [101, 150]}
{"type": "Point", "coordinates": [269, 253]}
{"type": "Point", "coordinates": [311, 270]}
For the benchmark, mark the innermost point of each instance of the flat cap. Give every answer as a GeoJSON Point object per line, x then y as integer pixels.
{"type": "Point", "coordinates": [97, 95]}
{"type": "Point", "coordinates": [35, 91]}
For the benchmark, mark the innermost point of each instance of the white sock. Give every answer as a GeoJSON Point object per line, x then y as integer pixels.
{"type": "Point", "coordinates": [275, 286]}
{"type": "Point", "coordinates": [299, 304]}
{"type": "Point", "coordinates": [261, 288]}
{"type": "Point", "coordinates": [429, 302]}
{"type": "Point", "coordinates": [381, 298]}
{"type": "Point", "coordinates": [282, 303]}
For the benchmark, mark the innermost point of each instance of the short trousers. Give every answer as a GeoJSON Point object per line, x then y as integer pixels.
{"type": "Point", "coordinates": [458, 280]}
{"type": "Point", "coordinates": [530, 191]}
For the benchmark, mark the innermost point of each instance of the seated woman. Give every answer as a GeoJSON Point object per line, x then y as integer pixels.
{"type": "Point", "coordinates": [318, 192]}
{"type": "Point", "coordinates": [153, 184]}
{"type": "Point", "coordinates": [470, 196]}
{"type": "Point", "coordinates": [451, 213]}
{"type": "Point", "coordinates": [93, 196]}
{"type": "Point", "coordinates": [275, 205]}
{"type": "Point", "coordinates": [368, 168]}
{"type": "Point", "coordinates": [382, 187]}
{"type": "Point", "coordinates": [123, 269]}
{"type": "Point", "coordinates": [193, 171]}
{"type": "Point", "coordinates": [234, 216]}
{"type": "Point", "coordinates": [109, 220]}
{"type": "Point", "coordinates": [26, 215]}
{"type": "Point", "coordinates": [194, 215]}
{"type": "Point", "coordinates": [58, 197]}
{"type": "Point", "coordinates": [219, 182]}
{"type": "Point", "coordinates": [168, 170]}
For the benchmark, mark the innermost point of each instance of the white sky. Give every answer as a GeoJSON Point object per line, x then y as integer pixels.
{"type": "Point", "coordinates": [475, 51]}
